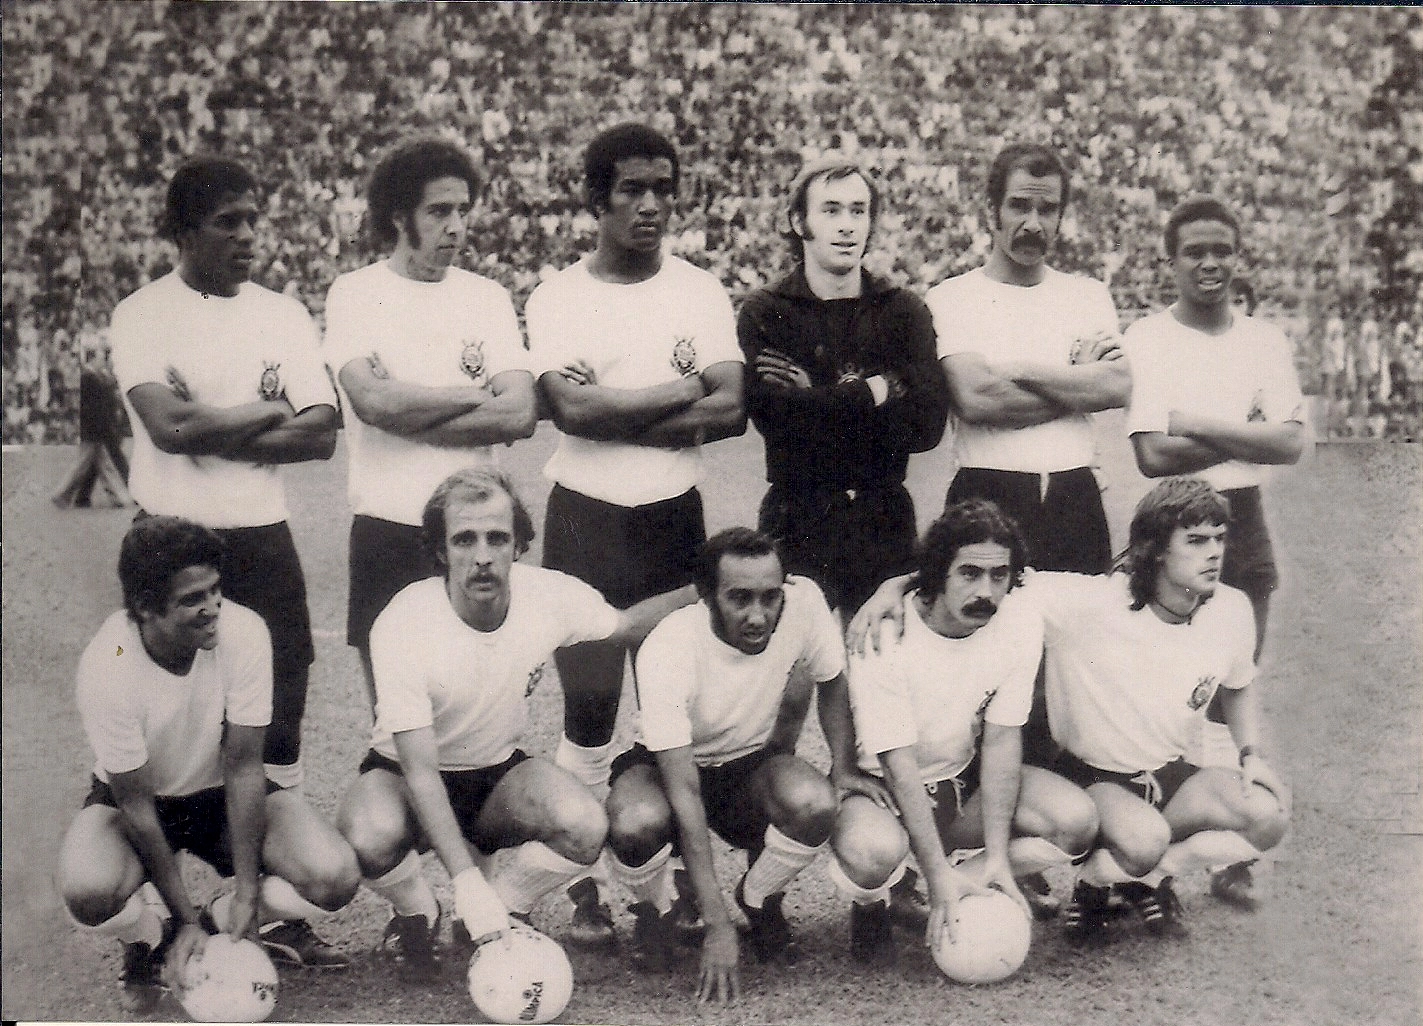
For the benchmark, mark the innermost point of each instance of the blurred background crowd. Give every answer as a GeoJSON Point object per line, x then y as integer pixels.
{"type": "Point", "coordinates": [1309, 121]}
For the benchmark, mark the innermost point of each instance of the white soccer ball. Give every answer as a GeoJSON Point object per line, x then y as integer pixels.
{"type": "Point", "coordinates": [992, 937]}
{"type": "Point", "coordinates": [523, 977]}
{"type": "Point", "coordinates": [228, 981]}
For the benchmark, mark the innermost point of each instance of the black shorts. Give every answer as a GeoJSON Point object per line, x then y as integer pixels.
{"type": "Point", "coordinates": [727, 795]}
{"type": "Point", "coordinates": [468, 790]}
{"type": "Point", "coordinates": [846, 541]}
{"type": "Point", "coordinates": [195, 822]}
{"type": "Point", "coordinates": [951, 794]}
{"type": "Point", "coordinates": [1249, 560]}
{"type": "Point", "coordinates": [261, 571]}
{"type": "Point", "coordinates": [384, 558]}
{"type": "Point", "coordinates": [1155, 787]}
{"type": "Point", "coordinates": [628, 553]}
{"type": "Point", "coordinates": [1065, 528]}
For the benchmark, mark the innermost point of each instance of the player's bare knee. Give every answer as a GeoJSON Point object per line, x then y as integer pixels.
{"type": "Point", "coordinates": [578, 826]}
{"type": "Point", "coordinates": [377, 843]}
{"type": "Point", "coordinates": [637, 830]}
{"type": "Point", "coordinates": [1139, 851]}
{"type": "Point", "coordinates": [91, 903]}
{"type": "Point", "coordinates": [803, 805]}
{"type": "Point", "coordinates": [869, 856]}
{"type": "Point", "coordinates": [1267, 826]}
{"type": "Point", "coordinates": [1075, 827]}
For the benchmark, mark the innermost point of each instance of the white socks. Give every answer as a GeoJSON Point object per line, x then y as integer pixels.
{"type": "Point", "coordinates": [863, 895]}
{"type": "Point", "coordinates": [590, 765]}
{"type": "Point", "coordinates": [278, 900]}
{"type": "Point", "coordinates": [407, 890]}
{"type": "Point", "coordinates": [525, 873]}
{"type": "Point", "coordinates": [649, 882]}
{"type": "Point", "coordinates": [779, 863]}
{"type": "Point", "coordinates": [1208, 849]}
{"type": "Point", "coordinates": [139, 921]}
{"type": "Point", "coordinates": [289, 777]}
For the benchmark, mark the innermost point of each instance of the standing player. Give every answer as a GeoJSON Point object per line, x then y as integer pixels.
{"type": "Point", "coordinates": [1029, 353]}
{"type": "Point", "coordinates": [224, 381]}
{"type": "Point", "coordinates": [175, 692]}
{"type": "Point", "coordinates": [939, 713]}
{"type": "Point", "coordinates": [432, 366]}
{"type": "Point", "coordinates": [1214, 393]}
{"type": "Point", "coordinates": [720, 685]}
{"type": "Point", "coordinates": [1132, 660]}
{"type": "Point", "coordinates": [639, 366]}
{"type": "Point", "coordinates": [456, 658]}
{"type": "Point", "coordinates": [843, 387]}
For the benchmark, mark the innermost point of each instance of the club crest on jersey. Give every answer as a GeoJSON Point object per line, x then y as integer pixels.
{"type": "Point", "coordinates": [269, 386]}
{"type": "Point", "coordinates": [1202, 693]}
{"type": "Point", "coordinates": [684, 357]}
{"type": "Point", "coordinates": [535, 675]}
{"type": "Point", "coordinates": [472, 360]}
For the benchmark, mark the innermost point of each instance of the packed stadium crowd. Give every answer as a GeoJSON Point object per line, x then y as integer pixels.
{"type": "Point", "coordinates": [1306, 120]}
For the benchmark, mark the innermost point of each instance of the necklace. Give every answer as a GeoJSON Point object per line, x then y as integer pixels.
{"type": "Point", "coordinates": [1175, 616]}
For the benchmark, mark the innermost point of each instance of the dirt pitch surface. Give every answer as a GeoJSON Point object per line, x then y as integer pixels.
{"type": "Point", "coordinates": [1337, 942]}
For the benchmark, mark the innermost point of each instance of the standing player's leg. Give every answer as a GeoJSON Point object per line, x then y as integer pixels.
{"type": "Point", "coordinates": [101, 881]}
{"type": "Point", "coordinates": [378, 821]}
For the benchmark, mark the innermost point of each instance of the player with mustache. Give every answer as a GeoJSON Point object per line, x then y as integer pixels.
{"type": "Point", "coordinates": [939, 713]}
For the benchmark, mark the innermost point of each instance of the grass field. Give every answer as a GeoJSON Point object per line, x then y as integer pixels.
{"type": "Point", "coordinates": [1339, 942]}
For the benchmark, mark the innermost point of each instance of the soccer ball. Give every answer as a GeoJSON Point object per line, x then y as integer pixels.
{"type": "Point", "coordinates": [229, 981]}
{"type": "Point", "coordinates": [992, 939]}
{"type": "Point", "coordinates": [523, 977]}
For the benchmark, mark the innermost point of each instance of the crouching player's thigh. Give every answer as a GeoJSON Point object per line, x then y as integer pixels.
{"type": "Point", "coordinates": [309, 853]}
{"type": "Point", "coordinates": [539, 801]}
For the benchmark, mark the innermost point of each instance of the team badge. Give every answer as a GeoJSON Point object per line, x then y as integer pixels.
{"type": "Point", "coordinates": [684, 357]}
{"type": "Point", "coordinates": [1202, 694]}
{"type": "Point", "coordinates": [535, 675]}
{"type": "Point", "coordinates": [269, 386]}
{"type": "Point", "coordinates": [472, 360]}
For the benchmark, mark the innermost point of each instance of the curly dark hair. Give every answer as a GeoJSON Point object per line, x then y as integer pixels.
{"type": "Point", "coordinates": [966, 523]}
{"type": "Point", "coordinates": [398, 182]}
{"type": "Point", "coordinates": [154, 551]}
{"type": "Point", "coordinates": [621, 142]}
{"type": "Point", "coordinates": [196, 189]}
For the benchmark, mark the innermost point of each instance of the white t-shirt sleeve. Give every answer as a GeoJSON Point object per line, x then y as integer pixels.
{"type": "Point", "coordinates": [1283, 401]}
{"type": "Point", "coordinates": [716, 334]}
{"type": "Point", "coordinates": [402, 696]}
{"type": "Point", "coordinates": [584, 614]}
{"type": "Point", "coordinates": [665, 677]}
{"type": "Point", "coordinates": [880, 700]}
{"type": "Point", "coordinates": [346, 337]}
{"type": "Point", "coordinates": [1022, 649]}
{"type": "Point", "coordinates": [949, 336]}
{"type": "Point", "coordinates": [1149, 407]}
{"type": "Point", "coordinates": [107, 709]}
{"type": "Point", "coordinates": [304, 374]}
{"type": "Point", "coordinates": [506, 344]}
{"type": "Point", "coordinates": [1241, 641]}
{"type": "Point", "coordinates": [135, 359]}
{"type": "Point", "coordinates": [248, 664]}
{"type": "Point", "coordinates": [546, 320]}
{"type": "Point", "coordinates": [824, 654]}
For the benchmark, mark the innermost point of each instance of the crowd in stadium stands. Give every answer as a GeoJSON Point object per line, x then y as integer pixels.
{"type": "Point", "coordinates": [1307, 120]}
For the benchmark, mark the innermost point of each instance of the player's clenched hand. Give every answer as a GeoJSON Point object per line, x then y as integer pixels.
{"type": "Point", "coordinates": [720, 981]}
{"type": "Point", "coordinates": [579, 372]}
{"type": "Point", "coordinates": [887, 603]}
{"type": "Point", "coordinates": [777, 369]}
{"type": "Point", "coordinates": [1255, 770]}
{"type": "Point", "coordinates": [483, 914]}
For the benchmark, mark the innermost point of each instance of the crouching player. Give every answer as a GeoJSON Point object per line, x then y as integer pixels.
{"type": "Point", "coordinates": [1133, 661]}
{"type": "Point", "coordinates": [721, 713]}
{"type": "Point", "coordinates": [939, 712]}
{"type": "Point", "coordinates": [455, 659]}
{"type": "Point", "coordinates": [175, 692]}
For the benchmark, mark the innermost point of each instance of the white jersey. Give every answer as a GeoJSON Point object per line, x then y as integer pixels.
{"type": "Point", "coordinates": [255, 345]}
{"type": "Point", "coordinates": [933, 694]}
{"type": "Point", "coordinates": [1249, 369]}
{"type": "Point", "coordinates": [676, 323]}
{"type": "Point", "coordinates": [461, 330]}
{"type": "Point", "coordinates": [695, 689]}
{"type": "Point", "coordinates": [1127, 691]}
{"type": "Point", "coordinates": [1042, 323]}
{"type": "Point", "coordinates": [136, 713]}
{"type": "Point", "coordinates": [434, 670]}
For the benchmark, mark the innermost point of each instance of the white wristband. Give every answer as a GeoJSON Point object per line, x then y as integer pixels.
{"type": "Point", "coordinates": [879, 388]}
{"type": "Point", "coordinates": [476, 904]}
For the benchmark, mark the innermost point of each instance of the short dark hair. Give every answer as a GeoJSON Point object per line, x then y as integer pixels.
{"type": "Point", "coordinates": [746, 542]}
{"type": "Point", "coordinates": [473, 483]}
{"type": "Point", "coordinates": [1198, 208]}
{"type": "Point", "coordinates": [1174, 502]}
{"type": "Point", "coordinates": [1038, 160]}
{"type": "Point", "coordinates": [154, 551]}
{"type": "Point", "coordinates": [968, 522]}
{"type": "Point", "coordinates": [621, 142]}
{"type": "Point", "coordinates": [829, 168]}
{"type": "Point", "coordinates": [398, 182]}
{"type": "Point", "coordinates": [196, 189]}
